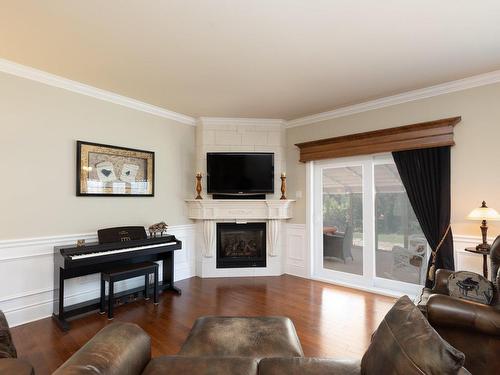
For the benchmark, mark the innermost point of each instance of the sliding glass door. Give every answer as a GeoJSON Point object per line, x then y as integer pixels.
{"type": "Point", "coordinates": [400, 246]}
{"type": "Point", "coordinates": [365, 231]}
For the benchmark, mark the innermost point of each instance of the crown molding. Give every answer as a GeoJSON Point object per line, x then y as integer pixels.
{"type": "Point", "coordinates": [33, 74]}
{"type": "Point", "coordinates": [242, 121]}
{"type": "Point", "coordinates": [428, 92]}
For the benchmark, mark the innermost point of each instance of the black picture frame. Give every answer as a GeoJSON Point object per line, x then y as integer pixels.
{"type": "Point", "coordinates": [88, 185]}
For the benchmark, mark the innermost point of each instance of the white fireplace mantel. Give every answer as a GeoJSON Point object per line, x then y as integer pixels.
{"type": "Point", "coordinates": [210, 211]}
{"type": "Point", "coordinates": [240, 209]}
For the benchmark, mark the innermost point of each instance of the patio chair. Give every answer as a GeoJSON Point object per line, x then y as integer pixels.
{"type": "Point", "coordinates": [339, 244]}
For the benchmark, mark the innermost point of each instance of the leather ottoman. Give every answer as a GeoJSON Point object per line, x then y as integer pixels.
{"type": "Point", "coordinates": [255, 337]}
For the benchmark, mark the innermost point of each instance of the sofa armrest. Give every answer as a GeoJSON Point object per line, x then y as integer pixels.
{"type": "Point", "coordinates": [441, 284]}
{"type": "Point", "coordinates": [454, 312]}
{"type": "Point", "coordinates": [15, 366]}
{"type": "Point", "coordinates": [119, 348]}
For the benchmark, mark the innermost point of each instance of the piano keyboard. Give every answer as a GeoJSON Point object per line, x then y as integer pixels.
{"type": "Point", "coordinates": [111, 252]}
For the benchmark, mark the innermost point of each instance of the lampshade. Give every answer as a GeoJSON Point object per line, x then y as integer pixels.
{"type": "Point", "coordinates": [483, 213]}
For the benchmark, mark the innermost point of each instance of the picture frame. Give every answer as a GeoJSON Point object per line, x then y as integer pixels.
{"type": "Point", "coordinates": [113, 171]}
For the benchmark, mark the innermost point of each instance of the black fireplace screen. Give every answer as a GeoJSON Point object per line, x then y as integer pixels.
{"type": "Point", "coordinates": [241, 245]}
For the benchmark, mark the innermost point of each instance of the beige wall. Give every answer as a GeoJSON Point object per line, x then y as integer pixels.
{"type": "Point", "coordinates": [39, 126]}
{"type": "Point", "coordinates": [475, 158]}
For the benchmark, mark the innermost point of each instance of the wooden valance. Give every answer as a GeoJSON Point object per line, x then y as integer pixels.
{"type": "Point", "coordinates": [409, 137]}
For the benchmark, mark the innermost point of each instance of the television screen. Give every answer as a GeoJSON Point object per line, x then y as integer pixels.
{"type": "Point", "coordinates": [240, 173]}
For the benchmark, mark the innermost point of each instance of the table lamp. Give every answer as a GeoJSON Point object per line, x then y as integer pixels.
{"type": "Point", "coordinates": [483, 213]}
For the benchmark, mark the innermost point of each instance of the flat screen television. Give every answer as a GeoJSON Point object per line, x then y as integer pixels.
{"type": "Point", "coordinates": [240, 173]}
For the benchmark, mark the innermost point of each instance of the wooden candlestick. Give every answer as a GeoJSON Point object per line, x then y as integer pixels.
{"type": "Point", "coordinates": [198, 186]}
{"type": "Point", "coordinates": [283, 186]}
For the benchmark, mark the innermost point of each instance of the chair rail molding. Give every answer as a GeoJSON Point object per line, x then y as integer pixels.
{"type": "Point", "coordinates": [33, 258]}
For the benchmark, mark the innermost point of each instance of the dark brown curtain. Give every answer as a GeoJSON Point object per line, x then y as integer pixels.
{"type": "Point", "coordinates": [426, 177]}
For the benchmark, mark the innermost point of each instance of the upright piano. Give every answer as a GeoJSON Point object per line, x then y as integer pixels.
{"type": "Point", "coordinates": [116, 247]}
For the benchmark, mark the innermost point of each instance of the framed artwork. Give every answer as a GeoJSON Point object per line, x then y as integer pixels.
{"type": "Point", "coordinates": [104, 170]}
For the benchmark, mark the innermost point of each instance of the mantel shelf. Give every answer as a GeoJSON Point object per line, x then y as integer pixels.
{"type": "Point", "coordinates": [239, 209]}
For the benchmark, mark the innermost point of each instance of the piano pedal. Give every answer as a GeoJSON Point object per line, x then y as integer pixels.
{"type": "Point", "coordinates": [156, 303]}
{"type": "Point", "coordinates": [110, 318]}
{"type": "Point", "coordinates": [102, 312]}
{"type": "Point", "coordinates": [146, 299]}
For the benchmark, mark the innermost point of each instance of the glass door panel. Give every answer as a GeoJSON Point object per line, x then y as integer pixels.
{"type": "Point", "coordinates": [400, 246]}
{"type": "Point", "coordinates": [342, 231]}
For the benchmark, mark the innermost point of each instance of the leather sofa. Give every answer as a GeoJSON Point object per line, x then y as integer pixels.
{"type": "Point", "coordinates": [404, 343]}
{"type": "Point", "coordinates": [471, 327]}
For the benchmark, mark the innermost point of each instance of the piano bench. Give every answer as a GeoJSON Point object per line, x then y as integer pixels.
{"type": "Point", "coordinates": [123, 273]}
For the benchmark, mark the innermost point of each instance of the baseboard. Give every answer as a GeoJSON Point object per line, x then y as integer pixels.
{"type": "Point", "coordinates": [26, 285]}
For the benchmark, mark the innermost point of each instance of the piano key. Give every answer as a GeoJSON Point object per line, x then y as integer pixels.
{"type": "Point", "coordinates": [111, 252]}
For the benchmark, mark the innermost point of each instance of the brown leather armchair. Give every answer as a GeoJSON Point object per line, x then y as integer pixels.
{"type": "Point", "coordinates": [471, 327]}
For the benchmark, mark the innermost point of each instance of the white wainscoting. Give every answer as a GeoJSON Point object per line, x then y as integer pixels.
{"type": "Point", "coordinates": [297, 257]}
{"type": "Point", "coordinates": [27, 274]}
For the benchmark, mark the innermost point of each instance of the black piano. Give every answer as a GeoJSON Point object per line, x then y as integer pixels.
{"type": "Point", "coordinates": [116, 247]}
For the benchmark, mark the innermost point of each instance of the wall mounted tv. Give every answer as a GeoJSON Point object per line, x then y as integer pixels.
{"type": "Point", "coordinates": [240, 173]}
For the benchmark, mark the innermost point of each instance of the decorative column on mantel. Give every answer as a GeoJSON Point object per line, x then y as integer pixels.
{"type": "Point", "coordinates": [209, 237]}
{"type": "Point", "coordinates": [209, 211]}
{"type": "Point", "coordinates": [273, 233]}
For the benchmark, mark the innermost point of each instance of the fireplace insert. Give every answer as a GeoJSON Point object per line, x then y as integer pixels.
{"type": "Point", "coordinates": [241, 245]}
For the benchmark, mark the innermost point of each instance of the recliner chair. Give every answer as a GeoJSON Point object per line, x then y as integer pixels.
{"type": "Point", "coordinates": [471, 327]}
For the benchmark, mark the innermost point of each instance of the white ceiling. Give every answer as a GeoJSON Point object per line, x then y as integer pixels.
{"type": "Point", "coordinates": [254, 58]}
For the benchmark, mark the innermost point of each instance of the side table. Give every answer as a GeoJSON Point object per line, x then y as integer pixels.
{"type": "Point", "coordinates": [485, 254]}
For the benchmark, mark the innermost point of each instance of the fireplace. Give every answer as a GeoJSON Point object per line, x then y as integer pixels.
{"type": "Point", "coordinates": [241, 245]}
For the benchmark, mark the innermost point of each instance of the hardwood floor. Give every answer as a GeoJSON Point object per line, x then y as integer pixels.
{"type": "Point", "coordinates": [331, 321]}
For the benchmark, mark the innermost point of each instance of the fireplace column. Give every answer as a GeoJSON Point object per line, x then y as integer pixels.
{"type": "Point", "coordinates": [209, 237]}
{"type": "Point", "coordinates": [273, 233]}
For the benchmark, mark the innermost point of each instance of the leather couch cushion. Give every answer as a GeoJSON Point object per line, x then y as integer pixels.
{"type": "Point", "coordinates": [308, 366]}
{"type": "Point", "coordinates": [255, 337]}
{"type": "Point", "coordinates": [470, 286]}
{"type": "Point", "coordinates": [177, 365]}
{"type": "Point", "coordinates": [405, 343]}
{"type": "Point", "coordinates": [7, 349]}
{"type": "Point", "coordinates": [117, 349]}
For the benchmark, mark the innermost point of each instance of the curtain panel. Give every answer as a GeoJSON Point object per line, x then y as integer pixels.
{"type": "Point", "coordinates": [425, 174]}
